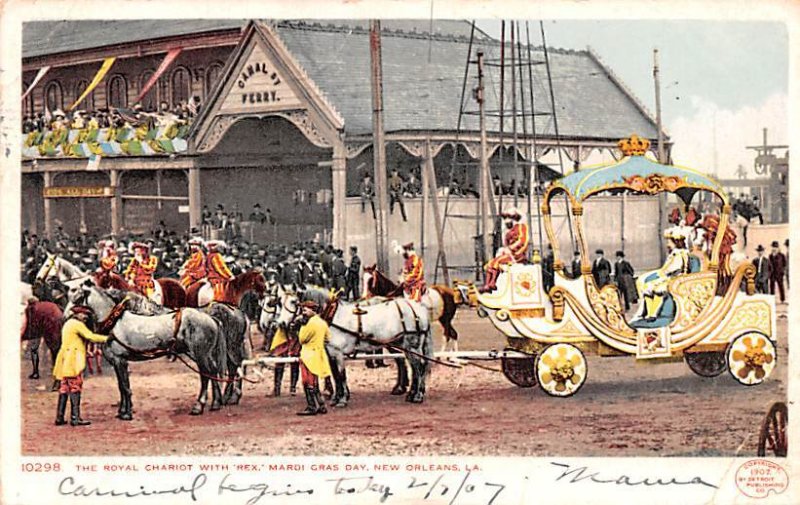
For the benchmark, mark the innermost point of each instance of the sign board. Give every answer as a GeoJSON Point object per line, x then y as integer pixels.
{"type": "Point", "coordinates": [259, 87]}
{"type": "Point", "coordinates": [183, 209]}
{"type": "Point", "coordinates": [79, 192]}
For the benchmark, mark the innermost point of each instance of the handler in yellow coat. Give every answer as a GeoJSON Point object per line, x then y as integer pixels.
{"type": "Point", "coordinates": [70, 363]}
{"type": "Point", "coordinates": [314, 363]}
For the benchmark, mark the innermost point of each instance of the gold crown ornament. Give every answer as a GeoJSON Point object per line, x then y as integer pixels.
{"type": "Point", "coordinates": [633, 145]}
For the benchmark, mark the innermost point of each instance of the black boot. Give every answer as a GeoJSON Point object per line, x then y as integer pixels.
{"type": "Point", "coordinates": [35, 363]}
{"type": "Point", "coordinates": [311, 400]}
{"type": "Point", "coordinates": [294, 375]}
{"type": "Point", "coordinates": [276, 391]}
{"type": "Point", "coordinates": [75, 402]}
{"type": "Point", "coordinates": [320, 403]}
{"type": "Point", "coordinates": [62, 409]}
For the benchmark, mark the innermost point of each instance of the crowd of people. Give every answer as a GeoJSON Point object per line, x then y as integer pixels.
{"type": "Point", "coordinates": [112, 117]}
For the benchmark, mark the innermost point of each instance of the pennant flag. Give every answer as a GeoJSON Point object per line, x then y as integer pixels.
{"type": "Point", "coordinates": [94, 162]}
{"type": "Point", "coordinates": [165, 63]}
{"type": "Point", "coordinates": [36, 80]}
{"type": "Point", "coordinates": [97, 78]}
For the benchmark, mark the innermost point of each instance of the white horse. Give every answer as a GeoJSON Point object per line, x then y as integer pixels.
{"type": "Point", "coordinates": [400, 324]}
{"type": "Point", "coordinates": [61, 269]}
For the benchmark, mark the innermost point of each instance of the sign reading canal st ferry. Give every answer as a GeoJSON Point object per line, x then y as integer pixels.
{"type": "Point", "coordinates": [259, 87]}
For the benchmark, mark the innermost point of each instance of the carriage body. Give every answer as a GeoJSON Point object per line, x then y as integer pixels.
{"type": "Point", "coordinates": [710, 315]}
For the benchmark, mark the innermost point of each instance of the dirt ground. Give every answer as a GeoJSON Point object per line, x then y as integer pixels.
{"type": "Point", "coordinates": [624, 409]}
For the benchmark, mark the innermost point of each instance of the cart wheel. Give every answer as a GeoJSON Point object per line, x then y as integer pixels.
{"type": "Point", "coordinates": [706, 364]}
{"type": "Point", "coordinates": [773, 431]}
{"type": "Point", "coordinates": [561, 369]}
{"type": "Point", "coordinates": [751, 358]}
{"type": "Point", "coordinates": [520, 371]}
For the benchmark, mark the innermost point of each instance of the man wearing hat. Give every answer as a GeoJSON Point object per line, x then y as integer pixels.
{"type": "Point", "coordinates": [777, 264]}
{"type": "Point", "coordinates": [514, 250]}
{"type": "Point", "coordinates": [413, 275]}
{"type": "Point", "coordinates": [217, 270]}
{"type": "Point", "coordinates": [71, 361]}
{"type": "Point", "coordinates": [314, 364]}
{"type": "Point", "coordinates": [354, 275]}
{"type": "Point", "coordinates": [762, 265]}
{"type": "Point", "coordinates": [575, 267]}
{"type": "Point", "coordinates": [623, 277]}
{"type": "Point", "coordinates": [601, 269]}
{"type": "Point", "coordinates": [139, 273]}
{"type": "Point", "coordinates": [339, 271]}
{"type": "Point", "coordinates": [653, 285]}
{"type": "Point", "coordinates": [108, 257]}
{"type": "Point", "coordinates": [195, 267]}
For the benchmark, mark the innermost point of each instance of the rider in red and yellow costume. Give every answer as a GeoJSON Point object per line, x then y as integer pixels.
{"type": "Point", "coordinates": [217, 270]}
{"type": "Point", "coordinates": [195, 267]}
{"type": "Point", "coordinates": [108, 257]}
{"type": "Point", "coordinates": [413, 273]}
{"type": "Point", "coordinates": [515, 249]}
{"type": "Point", "coordinates": [139, 273]}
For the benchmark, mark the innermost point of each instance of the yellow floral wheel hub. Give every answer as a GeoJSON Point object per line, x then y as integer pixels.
{"type": "Point", "coordinates": [751, 358]}
{"type": "Point", "coordinates": [561, 369]}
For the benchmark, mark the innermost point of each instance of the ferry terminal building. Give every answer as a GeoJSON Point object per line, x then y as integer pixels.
{"type": "Point", "coordinates": [286, 121]}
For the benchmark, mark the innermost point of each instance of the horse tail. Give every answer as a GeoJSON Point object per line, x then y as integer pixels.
{"type": "Point", "coordinates": [448, 311]}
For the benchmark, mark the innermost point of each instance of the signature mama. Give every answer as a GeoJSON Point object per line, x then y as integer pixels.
{"type": "Point", "coordinates": [584, 473]}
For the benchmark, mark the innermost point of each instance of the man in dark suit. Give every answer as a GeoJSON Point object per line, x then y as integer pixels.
{"type": "Point", "coordinates": [777, 265]}
{"type": "Point", "coordinates": [575, 267]}
{"type": "Point", "coordinates": [547, 269]}
{"type": "Point", "coordinates": [601, 269]}
{"type": "Point", "coordinates": [623, 277]}
{"type": "Point", "coordinates": [762, 265]}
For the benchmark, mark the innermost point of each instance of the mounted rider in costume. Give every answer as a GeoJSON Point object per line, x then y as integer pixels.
{"type": "Point", "coordinates": [217, 270]}
{"type": "Point", "coordinates": [194, 269]}
{"type": "Point", "coordinates": [652, 285]}
{"type": "Point", "coordinates": [108, 257]}
{"type": "Point", "coordinates": [514, 250]}
{"type": "Point", "coordinates": [413, 273]}
{"type": "Point", "coordinates": [139, 273]}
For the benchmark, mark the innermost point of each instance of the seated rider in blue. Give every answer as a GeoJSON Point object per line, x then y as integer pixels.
{"type": "Point", "coordinates": [652, 286]}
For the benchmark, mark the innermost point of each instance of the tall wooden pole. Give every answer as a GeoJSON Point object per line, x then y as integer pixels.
{"type": "Point", "coordinates": [437, 216]}
{"type": "Point", "coordinates": [485, 182]}
{"type": "Point", "coordinates": [379, 148]}
{"type": "Point", "coordinates": [661, 157]}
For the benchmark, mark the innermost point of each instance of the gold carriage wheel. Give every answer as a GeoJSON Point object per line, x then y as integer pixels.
{"type": "Point", "coordinates": [751, 358]}
{"type": "Point", "coordinates": [561, 369]}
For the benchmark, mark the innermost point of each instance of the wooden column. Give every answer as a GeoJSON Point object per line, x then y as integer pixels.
{"type": "Point", "coordinates": [423, 169]}
{"type": "Point", "coordinates": [48, 218]}
{"type": "Point", "coordinates": [437, 217]}
{"type": "Point", "coordinates": [194, 197]}
{"type": "Point", "coordinates": [339, 190]}
{"type": "Point", "coordinates": [116, 202]}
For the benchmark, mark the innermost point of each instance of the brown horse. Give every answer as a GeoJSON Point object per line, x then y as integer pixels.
{"type": "Point", "coordinates": [42, 320]}
{"type": "Point", "coordinates": [235, 289]}
{"type": "Point", "coordinates": [442, 307]}
{"type": "Point", "coordinates": [173, 295]}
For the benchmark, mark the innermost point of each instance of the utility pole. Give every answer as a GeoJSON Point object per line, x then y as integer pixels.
{"type": "Point", "coordinates": [661, 158]}
{"type": "Point", "coordinates": [379, 148]}
{"type": "Point", "coordinates": [485, 184]}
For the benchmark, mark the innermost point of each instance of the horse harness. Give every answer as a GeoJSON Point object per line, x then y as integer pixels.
{"type": "Point", "coordinates": [117, 311]}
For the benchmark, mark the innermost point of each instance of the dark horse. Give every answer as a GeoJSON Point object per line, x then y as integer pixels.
{"type": "Point", "coordinates": [138, 337]}
{"type": "Point", "coordinates": [173, 295]}
{"type": "Point", "coordinates": [440, 303]}
{"type": "Point", "coordinates": [42, 320]}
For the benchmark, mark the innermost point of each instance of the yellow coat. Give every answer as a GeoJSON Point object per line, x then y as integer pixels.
{"type": "Point", "coordinates": [312, 337]}
{"type": "Point", "coordinates": [278, 339]}
{"type": "Point", "coordinates": [71, 359]}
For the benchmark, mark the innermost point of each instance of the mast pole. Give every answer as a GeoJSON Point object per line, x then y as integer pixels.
{"type": "Point", "coordinates": [379, 147]}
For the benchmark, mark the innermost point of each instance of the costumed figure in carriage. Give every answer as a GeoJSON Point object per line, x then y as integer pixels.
{"type": "Point", "coordinates": [139, 273]}
{"type": "Point", "coordinates": [652, 286]}
{"type": "Point", "coordinates": [217, 270]}
{"type": "Point", "coordinates": [413, 274]}
{"type": "Point", "coordinates": [514, 250]}
{"type": "Point", "coordinates": [194, 269]}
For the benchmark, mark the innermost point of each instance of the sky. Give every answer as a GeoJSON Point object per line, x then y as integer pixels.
{"type": "Point", "coordinates": [728, 76]}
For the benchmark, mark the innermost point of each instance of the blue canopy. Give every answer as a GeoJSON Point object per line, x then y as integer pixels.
{"type": "Point", "coordinates": [637, 174]}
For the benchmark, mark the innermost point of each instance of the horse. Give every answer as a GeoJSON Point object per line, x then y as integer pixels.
{"type": "Point", "coordinates": [172, 294]}
{"type": "Point", "coordinates": [42, 320]}
{"type": "Point", "coordinates": [202, 293]}
{"type": "Point", "coordinates": [358, 326]}
{"type": "Point", "coordinates": [233, 324]}
{"type": "Point", "coordinates": [438, 299]}
{"type": "Point", "coordinates": [136, 337]}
